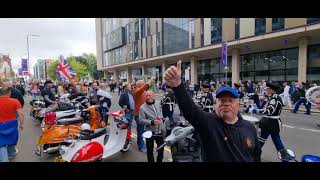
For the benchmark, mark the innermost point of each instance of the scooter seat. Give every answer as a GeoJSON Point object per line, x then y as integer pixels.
{"type": "Point", "coordinates": [95, 134]}
{"type": "Point", "coordinates": [69, 121]}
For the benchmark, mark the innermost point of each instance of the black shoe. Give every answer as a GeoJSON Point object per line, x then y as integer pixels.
{"type": "Point", "coordinates": [318, 125]}
{"type": "Point", "coordinates": [308, 113]}
{"type": "Point", "coordinates": [285, 156]}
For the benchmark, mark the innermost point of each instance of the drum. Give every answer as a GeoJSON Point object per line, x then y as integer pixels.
{"type": "Point", "coordinates": [253, 120]}
{"type": "Point", "coordinates": [313, 95]}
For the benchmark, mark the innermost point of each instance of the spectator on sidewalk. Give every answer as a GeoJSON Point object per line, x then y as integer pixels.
{"type": "Point", "coordinates": [9, 109]}
{"type": "Point", "coordinates": [150, 115]}
{"type": "Point", "coordinates": [20, 88]}
{"type": "Point", "coordinates": [139, 99]}
{"type": "Point", "coordinates": [126, 102]}
{"type": "Point", "coordinates": [92, 94]}
{"type": "Point", "coordinates": [104, 99]}
{"type": "Point", "coordinates": [34, 90]}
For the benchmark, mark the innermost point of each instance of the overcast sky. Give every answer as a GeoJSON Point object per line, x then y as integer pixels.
{"type": "Point", "coordinates": [64, 36]}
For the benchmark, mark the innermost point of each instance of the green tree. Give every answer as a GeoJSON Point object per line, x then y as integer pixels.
{"type": "Point", "coordinates": [52, 67]}
{"type": "Point", "coordinates": [78, 67]}
{"type": "Point", "coordinates": [90, 60]}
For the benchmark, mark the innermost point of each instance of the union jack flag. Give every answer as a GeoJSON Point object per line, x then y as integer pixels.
{"type": "Point", "coordinates": [65, 70]}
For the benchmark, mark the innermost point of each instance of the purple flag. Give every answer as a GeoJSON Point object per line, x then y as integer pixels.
{"type": "Point", "coordinates": [224, 53]}
{"type": "Point", "coordinates": [24, 64]}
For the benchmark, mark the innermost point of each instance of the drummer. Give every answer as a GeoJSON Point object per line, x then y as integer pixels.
{"type": "Point", "coordinates": [270, 123]}
{"type": "Point", "coordinates": [318, 106]}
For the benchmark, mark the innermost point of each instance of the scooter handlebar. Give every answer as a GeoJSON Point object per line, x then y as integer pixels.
{"type": "Point", "coordinates": [179, 133]}
{"type": "Point", "coordinates": [162, 145]}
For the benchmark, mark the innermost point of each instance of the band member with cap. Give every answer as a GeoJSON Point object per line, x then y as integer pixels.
{"type": "Point", "coordinates": [168, 103]}
{"type": "Point", "coordinates": [270, 123]}
{"type": "Point", "coordinates": [301, 95]}
{"type": "Point", "coordinates": [206, 98]}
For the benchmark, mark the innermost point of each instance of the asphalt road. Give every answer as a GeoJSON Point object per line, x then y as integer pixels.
{"type": "Point", "coordinates": [299, 133]}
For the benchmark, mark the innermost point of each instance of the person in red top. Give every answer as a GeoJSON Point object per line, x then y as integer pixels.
{"type": "Point", "coordinates": [9, 109]}
{"type": "Point", "coordinates": [139, 100]}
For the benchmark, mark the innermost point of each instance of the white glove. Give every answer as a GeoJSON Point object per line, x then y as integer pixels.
{"type": "Point", "coordinates": [251, 110]}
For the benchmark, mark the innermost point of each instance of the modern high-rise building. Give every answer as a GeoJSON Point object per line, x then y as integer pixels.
{"type": "Point", "coordinates": [40, 69]}
{"type": "Point", "coordinates": [6, 71]}
{"type": "Point", "coordinates": [276, 49]}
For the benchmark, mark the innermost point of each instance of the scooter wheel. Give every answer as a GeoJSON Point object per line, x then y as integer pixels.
{"type": "Point", "coordinates": [126, 147]}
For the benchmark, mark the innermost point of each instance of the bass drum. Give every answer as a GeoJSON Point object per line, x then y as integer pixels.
{"type": "Point", "coordinates": [313, 95]}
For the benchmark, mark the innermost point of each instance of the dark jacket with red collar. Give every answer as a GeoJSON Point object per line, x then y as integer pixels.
{"type": "Point", "coordinates": [220, 142]}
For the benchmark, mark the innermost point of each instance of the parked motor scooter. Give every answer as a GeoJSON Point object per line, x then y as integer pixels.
{"type": "Point", "coordinates": [56, 131]}
{"type": "Point", "coordinates": [36, 106]}
{"type": "Point", "coordinates": [184, 147]}
{"type": "Point", "coordinates": [91, 146]}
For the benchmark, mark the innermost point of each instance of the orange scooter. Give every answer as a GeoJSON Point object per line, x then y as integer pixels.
{"type": "Point", "coordinates": [53, 136]}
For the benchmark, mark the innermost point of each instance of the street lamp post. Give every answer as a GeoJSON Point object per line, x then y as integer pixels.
{"type": "Point", "coordinates": [35, 35]}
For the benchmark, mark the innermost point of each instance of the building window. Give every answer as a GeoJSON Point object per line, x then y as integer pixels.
{"type": "Point", "coordinates": [192, 33]}
{"type": "Point", "coordinates": [313, 20]}
{"type": "Point", "coordinates": [216, 30]}
{"type": "Point", "coordinates": [280, 65]}
{"type": "Point", "coordinates": [143, 29]}
{"type": "Point", "coordinates": [237, 28]}
{"type": "Point", "coordinates": [131, 51]}
{"type": "Point", "coordinates": [154, 45]}
{"type": "Point", "coordinates": [135, 50]}
{"type": "Point", "coordinates": [156, 26]}
{"type": "Point", "coordinates": [136, 30]}
{"type": "Point", "coordinates": [277, 24]}
{"type": "Point", "coordinates": [158, 43]}
{"type": "Point", "coordinates": [313, 63]}
{"type": "Point", "coordinates": [202, 31]}
{"type": "Point", "coordinates": [148, 27]}
{"type": "Point", "coordinates": [213, 69]}
{"type": "Point", "coordinates": [175, 35]}
{"type": "Point", "coordinates": [260, 26]}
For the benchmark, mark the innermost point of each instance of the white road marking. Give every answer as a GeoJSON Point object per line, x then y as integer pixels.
{"type": "Point", "coordinates": [288, 126]}
{"type": "Point", "coordinates": [305, 129]}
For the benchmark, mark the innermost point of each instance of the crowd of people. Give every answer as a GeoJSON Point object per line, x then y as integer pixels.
{"type": "Point", "coordinates": [137, 99]}
{"type": "Point", "coordinates": [292, 94]}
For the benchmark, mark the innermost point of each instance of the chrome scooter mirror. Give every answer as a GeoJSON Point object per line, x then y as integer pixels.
{"type": "Point", "coordinates": [147, 134]}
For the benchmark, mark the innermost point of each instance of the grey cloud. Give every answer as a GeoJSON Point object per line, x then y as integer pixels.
{"type": "Point", "coordinates": [57, 36]}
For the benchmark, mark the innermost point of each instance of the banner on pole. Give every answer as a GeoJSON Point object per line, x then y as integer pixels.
{"type": "Point", "coordinates": [24, 65]}
{"type": "Point", "coordinates": [224, 53]}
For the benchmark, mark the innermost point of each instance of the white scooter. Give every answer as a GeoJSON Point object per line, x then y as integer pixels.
{"type": "Point", "coordinates": [91, 146]}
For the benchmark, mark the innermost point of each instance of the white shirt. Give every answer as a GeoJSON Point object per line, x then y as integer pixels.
{"type": "Point", "coordinates": [286, 91]}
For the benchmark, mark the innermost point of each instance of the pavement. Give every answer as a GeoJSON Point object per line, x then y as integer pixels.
{"type": "Point", "coordinates": [299, 133]}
